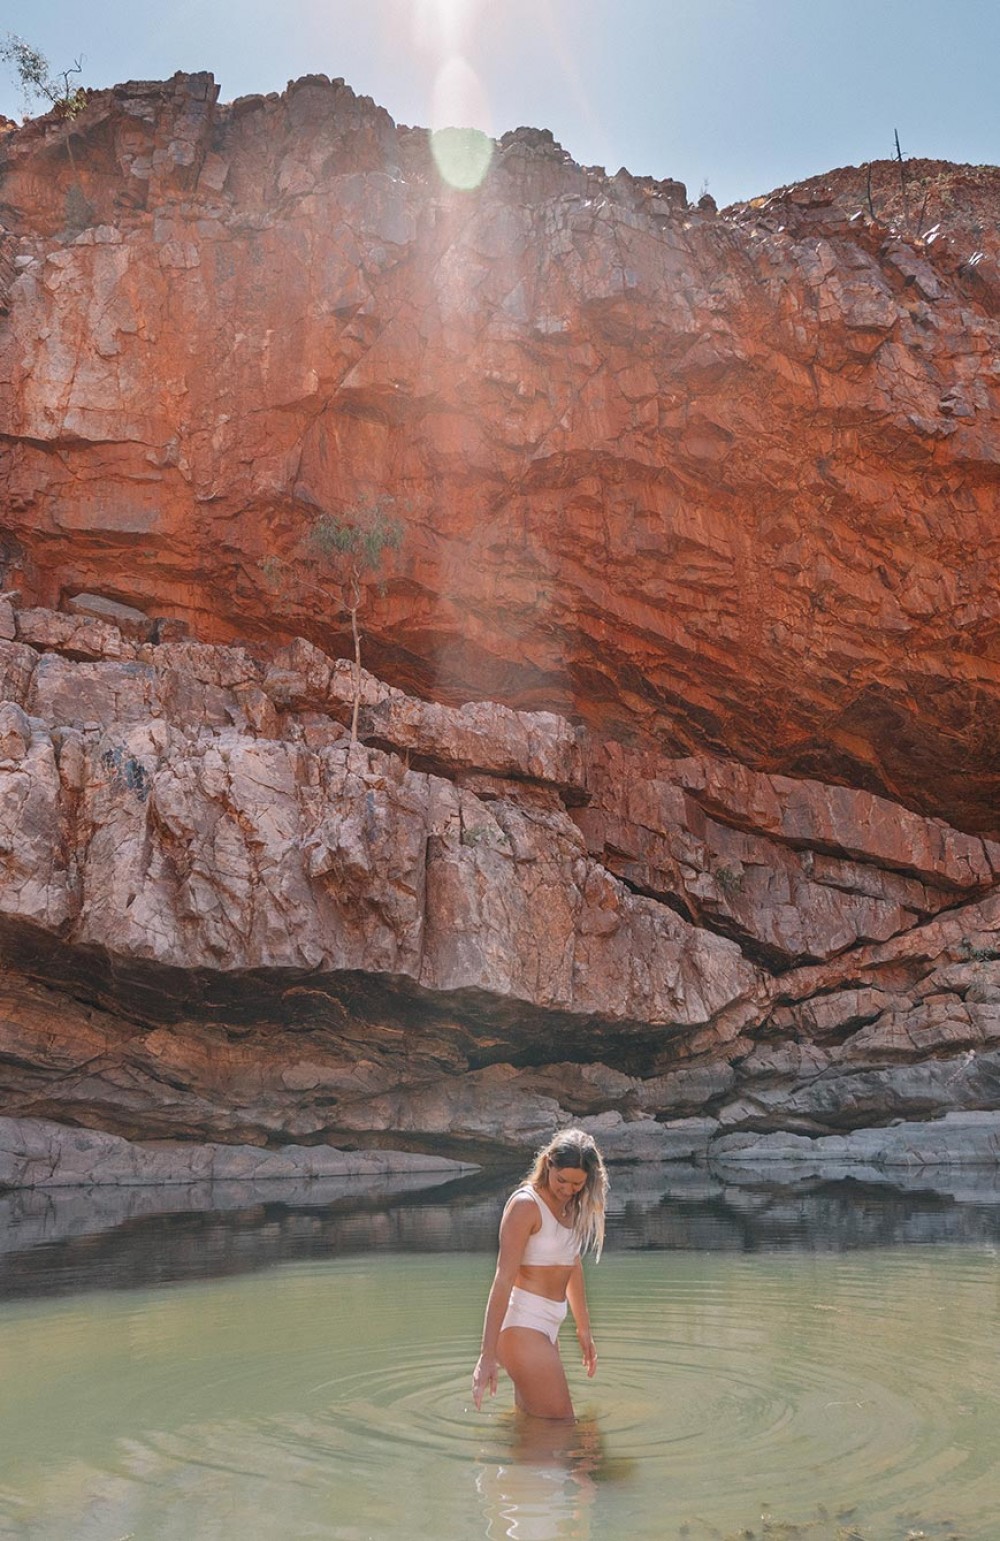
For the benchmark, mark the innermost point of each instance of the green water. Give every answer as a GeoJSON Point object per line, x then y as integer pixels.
{"type": "Point", "coordinates": [779, 1394]}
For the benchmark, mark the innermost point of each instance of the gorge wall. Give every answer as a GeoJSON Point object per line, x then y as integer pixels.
{"type": "Point", "coordinates": [674, 809]}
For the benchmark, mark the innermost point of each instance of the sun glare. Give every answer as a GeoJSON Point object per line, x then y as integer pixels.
{"type": "Point", "coordinates": [462, 156]}
{"type": "Point", "coordinates": [460, 118]}
{"type": "Point", "coordinates": [445, 27]}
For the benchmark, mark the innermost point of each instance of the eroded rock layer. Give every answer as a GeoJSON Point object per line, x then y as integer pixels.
{"type": "Point", "coordinates": [223, 920]}
{"type": "Point", "coordinates": [673, 809]}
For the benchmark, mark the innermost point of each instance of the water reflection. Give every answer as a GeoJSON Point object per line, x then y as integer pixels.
{"type": "Point", "coordinates": [56, 1240]}
{"type": "Point", "coordinates": [544, 1486]}
{"type": "Point", "coordinates": [60, 1240]}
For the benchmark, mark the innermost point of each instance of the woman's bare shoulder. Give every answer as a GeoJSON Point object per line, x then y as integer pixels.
{"type": "Point", "coordinates": [522, 1204]}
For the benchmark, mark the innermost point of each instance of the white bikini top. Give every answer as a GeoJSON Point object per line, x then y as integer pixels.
{"type": "Point", "coordinates": [555, 1245]}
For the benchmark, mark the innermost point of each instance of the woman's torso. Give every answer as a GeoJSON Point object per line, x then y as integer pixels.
{"type": "Point", "coordinates": [550, 1253]}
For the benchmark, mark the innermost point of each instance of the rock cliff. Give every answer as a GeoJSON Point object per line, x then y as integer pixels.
{"type": "Point", "coordinates": [673, 809]}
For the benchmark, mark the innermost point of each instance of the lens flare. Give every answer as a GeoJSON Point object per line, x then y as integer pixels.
{"type": "Point", "coordinates": [460, 119]}
{"type": "Point", "coordinates": [462, 156]}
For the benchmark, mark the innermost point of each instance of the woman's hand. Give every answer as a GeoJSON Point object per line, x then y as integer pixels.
{"type": "Point", "coordinates": [588, 1348]}
{"type": "Point", "coordinates": [483, 1376]}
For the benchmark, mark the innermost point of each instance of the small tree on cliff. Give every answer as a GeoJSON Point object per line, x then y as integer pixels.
{"type": "Point", "coordinates": [65, 98]}
{"type": "Point", "coordinates": [38, 81]}
{"type": "Point", "coordinates": [343, 552]}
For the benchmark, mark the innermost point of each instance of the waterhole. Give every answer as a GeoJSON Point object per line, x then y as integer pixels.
{"type": "Point", "coordinates": [827, 1394]}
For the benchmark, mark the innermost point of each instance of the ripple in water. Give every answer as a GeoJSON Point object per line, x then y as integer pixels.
{"type": "Point", "coordinates": [849, 1396]}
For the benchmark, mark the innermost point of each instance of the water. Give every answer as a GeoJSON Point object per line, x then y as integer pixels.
{"type": "Point", "coordinates": [814, 1361]}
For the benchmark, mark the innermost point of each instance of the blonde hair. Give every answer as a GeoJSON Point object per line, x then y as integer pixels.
{"type": "Point", "coordinates": [574, 1147]}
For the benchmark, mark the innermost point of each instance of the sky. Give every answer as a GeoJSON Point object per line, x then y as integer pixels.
{"type": "Point", "coordinates": [733, 97]}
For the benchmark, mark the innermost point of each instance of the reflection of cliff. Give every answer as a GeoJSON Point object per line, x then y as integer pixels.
{"type": "Point", "coordinates": [699, 525]}
{"type": "Point", "coordinates": [65, 1240]}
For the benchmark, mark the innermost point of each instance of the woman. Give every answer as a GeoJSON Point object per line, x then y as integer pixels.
{"type": "Point", "coordinates": [546, 1225]}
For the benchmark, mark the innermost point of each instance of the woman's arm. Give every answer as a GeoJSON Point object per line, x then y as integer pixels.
{"type": "Point", "coordinates": [519, 1220]}
{"type": "Point", "coordinates": [576, 1294]}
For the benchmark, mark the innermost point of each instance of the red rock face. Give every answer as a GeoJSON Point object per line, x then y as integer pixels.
{"type": "Point", "coordinates": [722, 483]}
{"type": "Point", "coordinates": [470, 927]}
{"type": "Point", "coordinates": [676, 790]}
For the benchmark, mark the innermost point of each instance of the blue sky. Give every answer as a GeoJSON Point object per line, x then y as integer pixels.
{"type": "Point", "coordinates": [741, 95]}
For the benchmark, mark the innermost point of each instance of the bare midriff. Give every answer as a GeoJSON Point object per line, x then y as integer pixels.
{"type": "Point", "coordinates": [543, 1279]}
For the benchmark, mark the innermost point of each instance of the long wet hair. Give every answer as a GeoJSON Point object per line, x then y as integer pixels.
{"type": "Point", "coordinates": [574, 1147]}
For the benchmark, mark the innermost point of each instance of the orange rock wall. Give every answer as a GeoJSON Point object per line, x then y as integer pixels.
{"type": "Point", "coordinates": [675, 803]}
{"type": "Point", "coordinates": [716, 482]}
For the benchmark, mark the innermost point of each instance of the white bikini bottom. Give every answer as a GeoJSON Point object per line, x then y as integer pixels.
{"type": "Point", "coordinates": [528, 1310]}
